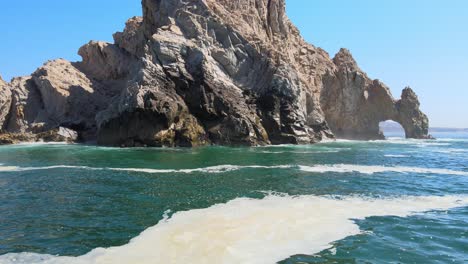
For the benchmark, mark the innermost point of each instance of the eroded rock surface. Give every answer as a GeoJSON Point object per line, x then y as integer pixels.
{"type": "Point", "coordinates": [5, 101]}
{"type": "Point", "coordinates": [354, 104]}
{"type": "Point", "coordinates": [199, 72]}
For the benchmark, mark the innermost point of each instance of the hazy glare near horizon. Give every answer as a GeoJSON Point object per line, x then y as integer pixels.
{"type": "Point", "coordinates": [422, 44]}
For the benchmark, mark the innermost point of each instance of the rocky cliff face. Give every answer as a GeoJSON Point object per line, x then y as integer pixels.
{"type": "Point", "coordinates": [5, 101]}
{"type": "Point", "coordinates": [200, 72]}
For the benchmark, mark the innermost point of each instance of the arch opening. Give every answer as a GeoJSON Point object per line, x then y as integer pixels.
{"type": "Point", "coordinates": [390, 128]}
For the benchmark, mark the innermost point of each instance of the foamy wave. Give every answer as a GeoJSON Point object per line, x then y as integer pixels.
{"type": "Point", "coordinates": [16, 168]}
{"type": "Point", "coordinates": [302, 152]}
{"type": "Point", "coordinates": [452, 151]}
{"type": "Point", "coordinates": [346, 168]}
{"type": "Point", "coordinates": [452, 139]}
{"type": "Point", "coordinates": [415, 142]}
{"type": "Point", "coordinates": [250, 231]}
{"type": "Point", "coordinates": [339, 168]}
{"type": "Point", "coordinates": [8, 168]}
{"type": "Point", "coordinates": [213, 169]}
{"type": "Point", "coordinates": [399, 141]}
{"type": "Point", "coordinates": [396, 156]}
{"type": "Point", "coordinates": [41, 143]}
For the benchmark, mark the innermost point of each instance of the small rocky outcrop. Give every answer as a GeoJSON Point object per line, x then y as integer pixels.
{"type": "Point", "coordinates": [415, 122]}
{"type": "Point", "coordinates": [59, 134]}
{"type": "Point", "coordinates": [199, 72]}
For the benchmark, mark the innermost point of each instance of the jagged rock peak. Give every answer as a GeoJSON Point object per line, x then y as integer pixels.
{"type": "Point", "coordinates": [261, 22]}
{"type": "Point", "coordinates": [413, 120]}
{"type": "Point", "coordinates": [254, 16]}
{"type": "Point", "coordinates": [259, 14]}
{"type": "Point", "coordinates": [409, 95]}
{"type": "Point", "coordinates": [132, 38]}
{"type": "Point", "coordinates": [345, 60]}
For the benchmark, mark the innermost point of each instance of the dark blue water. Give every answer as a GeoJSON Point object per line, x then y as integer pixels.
{"type": "Point", "coordinates": [67, 200]}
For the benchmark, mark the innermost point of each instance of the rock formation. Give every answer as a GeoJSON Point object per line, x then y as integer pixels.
{"type": "Point", "coordinates": [354, 105]}
{"type": "Point", "coordinates": [5, 101]}
{"type": "Point", "coordinates": [200, 72]}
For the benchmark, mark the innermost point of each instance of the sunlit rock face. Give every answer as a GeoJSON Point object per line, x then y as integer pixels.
{"type": "Point", "coordinates": [5, 101]}
{"type": "Point", "coordinates": [199, 72]}
{"type": "Point", "coordinates": [354, 104]}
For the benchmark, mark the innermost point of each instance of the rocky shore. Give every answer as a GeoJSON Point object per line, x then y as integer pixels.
{"type": "Point", "coordinates": [199, 72]}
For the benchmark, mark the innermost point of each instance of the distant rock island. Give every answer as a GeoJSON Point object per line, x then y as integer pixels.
{"type": "Point", "coordinates": [191, 73]}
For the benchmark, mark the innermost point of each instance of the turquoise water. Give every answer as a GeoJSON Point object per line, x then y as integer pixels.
{"type": "Point", "coordinates": [395, 201]}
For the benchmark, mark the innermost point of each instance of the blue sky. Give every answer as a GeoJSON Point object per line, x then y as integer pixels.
{"type": "Point", "coordinates": [419, 43]}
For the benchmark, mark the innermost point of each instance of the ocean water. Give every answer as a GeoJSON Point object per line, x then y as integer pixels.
{"type": "Point", "coordinates": [394, 201]}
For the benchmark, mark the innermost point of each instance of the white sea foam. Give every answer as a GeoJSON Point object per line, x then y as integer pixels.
{"type": "Point", "coordinates": [396, 156]}
{"type": "Point", "coordinates": [430, 144]}
{"type": "Point", "coordinates": [319, 151]}
{"type": "Point", "coordinates": [250, 231]}
{"type": "Point", "coordinates": [302, 152]}
{"type": "Point", "coordinates": [8, 168]}
{"type": "Point", "coordinates": [41, 143]}
{"type": "Point", "coordinates": [338, 168]}
{"type": "Point", "coordinates": [452, 151]}
{"type": "Point", "coordinates": [16, 168]}
{"type": "Point", "coordinates": [213, 169]}
{"type": "Point", "coordinates": [399, 141]}
{"type": "Point", "coordinates": [346, 168]}
{"type": "Point", "coordinates": [452, 139]}
{"type": "Point", "coordinates": [415, 142]}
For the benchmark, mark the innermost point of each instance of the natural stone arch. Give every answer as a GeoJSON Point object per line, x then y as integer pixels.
{"type": "Point", "coordinates": [354, 104]}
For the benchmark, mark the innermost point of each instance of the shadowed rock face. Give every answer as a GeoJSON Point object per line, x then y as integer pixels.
{"type": "Point", "coordinates": [200, 72]}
